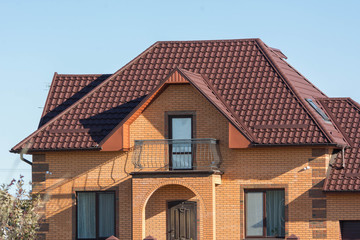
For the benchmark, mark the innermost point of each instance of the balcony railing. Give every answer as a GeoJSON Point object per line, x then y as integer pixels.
{"type": "Point", "coordinates": [177, 154]}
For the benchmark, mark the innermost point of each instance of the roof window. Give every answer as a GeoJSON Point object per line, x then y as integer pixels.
{"type": "Point", "coordinates": [318, 110]}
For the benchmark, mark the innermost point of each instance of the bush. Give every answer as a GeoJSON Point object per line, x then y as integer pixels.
{"type": "Point", "coordinates": [19, 217]}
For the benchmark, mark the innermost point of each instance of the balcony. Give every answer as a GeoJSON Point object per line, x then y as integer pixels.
{"type": "Point", "coordinates": [177, 154]}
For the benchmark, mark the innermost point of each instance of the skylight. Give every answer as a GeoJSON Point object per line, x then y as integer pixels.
{"type": "Point", "coordinates": [318, 110]}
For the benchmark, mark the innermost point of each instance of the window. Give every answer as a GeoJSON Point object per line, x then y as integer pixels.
{"type": "Point", "coordinates": [265, 213]}
{"type": "Point", "coordinates": [318, 110]}
{"type": "Point", "coordinates": [181, 129]}
{"type": "Point", "coordinates": [95, 215]}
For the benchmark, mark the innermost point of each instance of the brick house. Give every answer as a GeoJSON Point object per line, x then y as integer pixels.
{"type": "Point", "coordinates": [197, 140]}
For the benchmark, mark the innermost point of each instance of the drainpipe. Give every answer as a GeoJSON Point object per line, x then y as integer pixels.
{"type": "Point", "coordinates": [343, 157]}
{"type": "Point", "coordinates": [23, 159]}
{"type": "Point", "coordinates": [24, 150]}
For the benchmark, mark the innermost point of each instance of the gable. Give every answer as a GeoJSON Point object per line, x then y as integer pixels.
{"type": "Point", "coordinates": [179, 78]}
{"type": "Point", "coordinates": [153, 123]}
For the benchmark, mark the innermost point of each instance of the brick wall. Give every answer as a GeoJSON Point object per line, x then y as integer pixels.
{"type": "Point", "coordinates": [341, 206]}
{"type": "Point", "coordinates": [84, 171]}
{"type": "Point", "coordinates": [309, 213]}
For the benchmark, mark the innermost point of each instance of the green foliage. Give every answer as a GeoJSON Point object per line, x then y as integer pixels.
{"type": "Point", "coordinates": [19, 217]}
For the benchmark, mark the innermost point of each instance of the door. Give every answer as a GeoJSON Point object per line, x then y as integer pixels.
{"type": "Point", "coordinates": [181, 129]}
{"type": "Point", "coordinates": [350, 230]}
{"type": "Point", "coordinates": [181, 220]}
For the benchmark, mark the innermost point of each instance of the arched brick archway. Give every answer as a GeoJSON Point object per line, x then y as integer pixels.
{"type": "Point", "coordinates": [171, 182]}
{"type": "Point", "coordinates": [155, 192]}
{"type": "Point", "coordinates": [155, 208]}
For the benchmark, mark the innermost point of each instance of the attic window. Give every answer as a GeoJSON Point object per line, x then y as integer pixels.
{"type": "Point", "coordinates": [318, 110]}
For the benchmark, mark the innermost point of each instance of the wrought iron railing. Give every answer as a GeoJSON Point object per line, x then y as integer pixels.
{"type": "Point", "coordinates": [177, 154]}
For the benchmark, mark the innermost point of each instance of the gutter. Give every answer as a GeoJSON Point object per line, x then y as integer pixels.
{"type": "Point", "coordinates": [56, 150]}
{"type": "Point", "coordinates": [299, 145]}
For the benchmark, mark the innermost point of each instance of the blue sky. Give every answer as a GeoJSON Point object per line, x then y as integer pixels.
{"type": "Point", "coordinates": [38, 38]}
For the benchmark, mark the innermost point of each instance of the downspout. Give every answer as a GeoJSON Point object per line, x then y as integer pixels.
{"type": "Point", "coordinates": [24, 150]}
{"type": "Point", "coordinates": [343, 157]}
{"type": "Point", "coordinates": [23, 159]}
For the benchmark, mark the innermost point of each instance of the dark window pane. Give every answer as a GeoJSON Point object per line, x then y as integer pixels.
{"type": "Point", "coordinates": [86, 215]}
{"type": "Point", "coordinates": [275, 213]}
{"type": "Point", "coordinates": [106, 214]}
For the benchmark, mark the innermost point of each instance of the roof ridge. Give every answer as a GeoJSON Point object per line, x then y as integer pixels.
{"type": "Point", "coordinates": [308, 81]}
{"type": "Point", "coordinates": [354, 103]}
{"type": "Point", "coordinates": [333, 98]}
{"type": "Point", "coordinates": [83, 74]}
{"type": "Point", "coordinates": [82, 99]}
{"type": "Point", "coordinates": [264, 50]}
{"type": "Point", "coordinates": [244, 128]}
{"type": "Point", "coordinates": [216, 40]}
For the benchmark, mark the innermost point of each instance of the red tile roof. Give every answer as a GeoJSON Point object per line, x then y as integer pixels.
{"type": "Point", "coordinates": [264, 94]}
{"type": "Point", "coordinates": [345, 176]}
{"type": "Point", "coordinates": [304, 89]}
{"type": "Point", "coordinates": [66, 89]}
{"type": "Point", "coordinates": [205, 87]}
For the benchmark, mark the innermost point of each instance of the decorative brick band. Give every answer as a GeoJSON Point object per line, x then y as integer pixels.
{"type": "Point", "coordinates": [319, 213]}
{"type": "Point", "coordinates": [319, 203]}
{"type": "Point", "coordinates": [317, 224]}
{"type": "Point", "coordinates": [44, 227]}
{"type": "Point", "coordinates": [40, 167]}
{"type": "Point", "coordinates": [319, 234]}
{"type": "Point", "coordinates": [316, 193]}
{"type": "Point", "coordinates": [41, 236]}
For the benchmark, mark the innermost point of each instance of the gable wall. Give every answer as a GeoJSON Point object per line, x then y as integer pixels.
{"type": "Point", "coordinates": [179, 97]}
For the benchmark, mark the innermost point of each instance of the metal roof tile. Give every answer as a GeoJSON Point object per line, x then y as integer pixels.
{"type": "Point", "coordinates": [232, 69]}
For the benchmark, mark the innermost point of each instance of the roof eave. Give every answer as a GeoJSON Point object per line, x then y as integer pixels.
{"type": "Point", "coordinates": [341, 191]}
{"type": "Point", "coordinates": [32, 151]}
{"type": "Point", "coordinates": [335, 145]}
